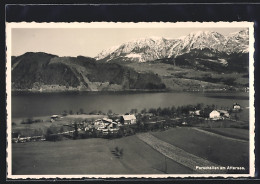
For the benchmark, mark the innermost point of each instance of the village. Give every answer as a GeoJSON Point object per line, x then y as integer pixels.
{"type": "Point", "coordinates": [111, 125]}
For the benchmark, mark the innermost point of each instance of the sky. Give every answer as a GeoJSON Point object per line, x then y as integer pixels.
{"type": "Point", "coordinates": [89, 41]}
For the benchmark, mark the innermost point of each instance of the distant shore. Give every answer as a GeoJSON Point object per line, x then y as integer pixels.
{"type": "Point", "coordinates": [127, 91]}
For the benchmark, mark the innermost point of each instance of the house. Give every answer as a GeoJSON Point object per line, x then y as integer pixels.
{"type": "Point", "coordinates": [15, 137]}
{"type": "Point", "coordinates": [129, 119]}
{"type": "Point", "coordinates": [194, 113]}
{"type": "Point", "coordinates": [107, 121]}
{"type": "Point", "coordinates": [191, 112]}
{"type": "Point", "coordinates": [215, 115]}
{"type": "Point", "coordinates": [197, 112]}
{"type": "Point", "coordinates": [236, 106]}
{"type": "Point", "coordinates": [99, 124]}
{"type": "Point", "coordinates": [184, 123]}
{"type": "Point", "coordinates": [112, 125]}
{"type": "Point", "coordinates": [54, 118]}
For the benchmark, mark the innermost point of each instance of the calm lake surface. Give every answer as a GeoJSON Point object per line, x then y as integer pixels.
{"type": "Point", "coordinates": [41, 104]}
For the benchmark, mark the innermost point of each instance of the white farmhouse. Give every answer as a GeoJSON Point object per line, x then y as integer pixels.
{"type": "Point", "coordinates": [236, 106]}
{"type": "Point", "coordinates": [214, 115]}
{"type": "Point", "coordinates": [129, 119]}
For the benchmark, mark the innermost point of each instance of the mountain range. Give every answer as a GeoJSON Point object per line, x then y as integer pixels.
{"type": "Point", "coordinates": [153, 48]}
{"type": "Point", "coordinates": [153, 63]}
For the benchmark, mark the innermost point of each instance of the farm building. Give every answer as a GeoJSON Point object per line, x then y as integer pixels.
{"type": "Point", "coordinates": [54, 118]}
{"type": "Point", "coordinates": [214, 115]}
{"type": "Point", "coordinates": [195, 113]}
{"type": "Point", "coordinates": [99, 124]}
{"type": "Point", "coordinates": [236, 106]}
{"type": "Point", "coordinates": [15, 137]}
{"type": "Point", "coordinates": [107, 121]}
{"type": "Point", "coordinates": [129, 119]}
{"type": "Point", "coordinates": [219, 114]}
{"type": "Point", "coordinates": [112, 125]}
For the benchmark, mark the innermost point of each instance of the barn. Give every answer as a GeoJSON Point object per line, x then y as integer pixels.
{"type": "Point", "coordinates": [129, 119]}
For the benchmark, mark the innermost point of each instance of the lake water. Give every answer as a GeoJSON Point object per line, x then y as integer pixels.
{"type": "Point", "coordinates": [41, 104]}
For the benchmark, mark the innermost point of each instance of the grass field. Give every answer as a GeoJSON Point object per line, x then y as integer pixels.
{"type": "Point", "coordinates": [231, 132]}
{"type": "Point", "coordinates": [217, 150]}
{"type": "Point", "coordinates": [91, 156]}
{"type": "Point", "coordinates": [95, 156]}
{"type": "Point", "coordinates": [179, 78]}
{"type": "Point", "coordinates": [41, 127]}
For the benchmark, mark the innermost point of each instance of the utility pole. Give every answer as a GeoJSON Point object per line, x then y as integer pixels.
{"type": "Point", "coordinates": [165, 164]}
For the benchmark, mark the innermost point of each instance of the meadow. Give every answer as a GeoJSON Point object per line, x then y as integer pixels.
{"type": "Point", "coordinates": [97, 156]}
{"type": "Point", "coordinates": [90, 156]}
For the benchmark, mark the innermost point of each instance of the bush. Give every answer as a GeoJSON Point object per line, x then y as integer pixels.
{"type": "Point", "coordinates": [54, 137]}
{"type": "Point", "coordinates": [27, 121]}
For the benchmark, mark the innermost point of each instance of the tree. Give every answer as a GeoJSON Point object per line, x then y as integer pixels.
{"type": "Point", "coordinates": [109, 111]}
{"type": "Point", "coordinates": [133, 111]}
{"type": "Point", "coordinates": [93, 112]}
{"type": "Point", "coordinates": [152, 110]}
{"type": "Point", "coordinates": [64, 113]}
{"type": "Point", "coordinates": [158, 111]}
{"type": "Point", "coordinates": [236, 117]}
{"type": "Point", "coordinates": [199, 106]}
{"type": "Point", "coordinates": [81, 111]}
{"type": "Point", "coordinates": [61, 129]}
{"type": "Point", "coordinates": [173, 110]}
{"type": "Point", "coordinates": [143, 111]}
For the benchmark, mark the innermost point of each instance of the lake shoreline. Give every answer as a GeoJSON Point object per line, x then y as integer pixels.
{"type": "Point", "coordinates": [27, 104]}
{"type": "Point", "coordinates": [124, 91]}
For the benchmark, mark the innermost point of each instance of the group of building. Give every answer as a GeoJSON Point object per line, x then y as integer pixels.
{"type": "Point", "coordinates": [217, 114]}
{"type": "Point", "coordinates": [107, 125]}
{"type": "Point", "coordinates": [18, 138]}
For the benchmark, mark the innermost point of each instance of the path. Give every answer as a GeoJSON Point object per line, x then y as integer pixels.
{"type": "Point", "coordinates": [180, 156]}
{"type": "Point", "coordinates": [220, 136]}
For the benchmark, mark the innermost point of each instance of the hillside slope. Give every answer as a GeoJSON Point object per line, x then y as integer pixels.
{"type": "Point", "coordinates": [46, 72]}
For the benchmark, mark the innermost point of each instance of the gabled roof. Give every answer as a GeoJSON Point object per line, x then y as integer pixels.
{"type": "Point", "coordinates": [108, 120]}
{"type": "Point", "coordinates": [129, 117]}
{"type": "Point", "coordinates": [54, 116]}
{"type": "Point", "coordinates": [223, 111]}
{"type": "Point", "coordinates": [214, 111]}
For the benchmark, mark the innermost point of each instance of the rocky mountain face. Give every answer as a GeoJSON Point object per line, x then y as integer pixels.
{"type": "Point", "coordinates": [150, 49]}
{"type": "Point", "coordinates": [46, 72]}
